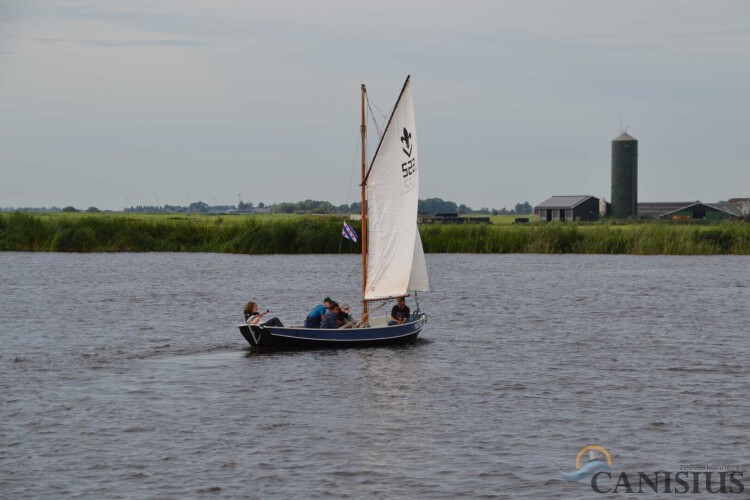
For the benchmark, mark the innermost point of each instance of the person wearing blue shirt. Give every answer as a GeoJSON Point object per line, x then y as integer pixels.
{"type": "Point", "coordinates": [315, 317]}
{"type": "Point", "coordinates": [331, 319]}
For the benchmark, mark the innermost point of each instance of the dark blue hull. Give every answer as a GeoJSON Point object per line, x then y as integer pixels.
{"type": "Point", "coordinates": [287, 338]}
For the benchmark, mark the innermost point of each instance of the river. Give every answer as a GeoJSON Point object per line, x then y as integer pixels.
{"type": "Point", "coordinates": [125, 376]}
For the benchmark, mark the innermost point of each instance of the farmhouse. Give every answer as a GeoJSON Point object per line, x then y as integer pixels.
{"type": "Point", "coordinates": [568, 208]}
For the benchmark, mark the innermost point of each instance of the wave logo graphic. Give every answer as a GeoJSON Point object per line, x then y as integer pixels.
{"type": "Point", "coordinates": [599, 460]}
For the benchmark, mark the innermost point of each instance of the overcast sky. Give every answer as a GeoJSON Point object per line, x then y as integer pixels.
{"type": "Point", "coordinates": [168, 101]}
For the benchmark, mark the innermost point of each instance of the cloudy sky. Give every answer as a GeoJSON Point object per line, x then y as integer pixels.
{"type": "Point", "coordinates": [162, 102]}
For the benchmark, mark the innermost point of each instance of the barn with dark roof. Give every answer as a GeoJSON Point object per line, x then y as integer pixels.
{"type": "Point", "coordinates": [690, 210]}
{"type": "Point", "coordinates": [568, 208]}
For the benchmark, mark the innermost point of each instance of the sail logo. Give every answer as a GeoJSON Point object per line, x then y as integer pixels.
{"type": "Point", "coordinates": [599, 460]}
{"type": "Point", "coordinates": [406, 140]}
{"type": "Point", "coordinates": [409, 167]}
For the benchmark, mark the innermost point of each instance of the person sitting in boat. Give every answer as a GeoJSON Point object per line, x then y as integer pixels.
{"type": "Point", "coordinates": [400, 312]}
{"type": "Point", "coordinates": [315, 317]}
{"type": "Point", "coordinates": [345, 319]}
{"type": "Point", "coordinates": [331, 319]}
{"type": "Point", "coordinates": [253, 317]}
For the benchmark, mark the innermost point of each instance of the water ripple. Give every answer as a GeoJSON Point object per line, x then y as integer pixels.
{"type": "Point", "coordinates": [123, 375]}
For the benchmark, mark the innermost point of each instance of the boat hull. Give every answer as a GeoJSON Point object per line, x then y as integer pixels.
{"type": "Point", "coordinates": [290, 338]}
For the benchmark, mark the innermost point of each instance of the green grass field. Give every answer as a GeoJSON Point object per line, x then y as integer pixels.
{"type": "Point", "coordinates": [293, 234]}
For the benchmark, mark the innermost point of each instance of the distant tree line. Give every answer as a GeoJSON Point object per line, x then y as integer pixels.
{"type": "Point", "coordinates": [520, 209]}
{"type": "Point", "coordinates": [429, 205]}
{"type": "Point", "coordinates": [312, 207]}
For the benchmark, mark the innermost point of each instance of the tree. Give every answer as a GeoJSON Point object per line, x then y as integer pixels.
{"type": "Point", "coordinates": [92, 209]}
{"type": "Point", "coordinates": [523, 208]}
{"type": "Point", "coordinates": [70, 208]}
{"type": "Point", "coordinates": [435, 205]}
{"type": "Point", "coordinates": [199, 206]}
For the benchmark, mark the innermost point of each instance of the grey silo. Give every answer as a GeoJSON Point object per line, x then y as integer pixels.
{"type": "Point", "coordinates": [624, 176]}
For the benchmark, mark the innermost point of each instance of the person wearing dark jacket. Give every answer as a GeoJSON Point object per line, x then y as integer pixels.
{"type": "Point", "coordinates": [331, 319]}
{"type": "Point", "coordinates": [345, 318]}
{"type": "Point", "coordinates": [400, 312]}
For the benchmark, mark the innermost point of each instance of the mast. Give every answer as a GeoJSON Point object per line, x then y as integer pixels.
{"type": "Point", "coordinates": [363, 131]}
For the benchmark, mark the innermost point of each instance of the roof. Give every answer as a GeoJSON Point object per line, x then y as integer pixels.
{"type": "Point", "coordinates": [655, 209]}
{"type": "Point", "coordinates": [624, 137]}
{"type": "Point", "coordinates": [564, 201]}
{"type": "Point", "coordinates": [730, 208]}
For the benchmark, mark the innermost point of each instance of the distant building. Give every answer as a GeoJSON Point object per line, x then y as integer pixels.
{"type": "Point", "coordinates": [690, 210]}
{"type": "Point", "coordinates": [449, 218]}
{"type": "Point", "coordinates": [744, 204]}
{"type": "Point", "coordinates": [568, 208]}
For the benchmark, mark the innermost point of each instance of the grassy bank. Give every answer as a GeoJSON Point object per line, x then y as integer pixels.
{"type": "Point", "coordinates": [319, 234]}
{"type": "Point", "coordinates": [124, 233]}
{"type": "Point", "coordinates": [637, 239]}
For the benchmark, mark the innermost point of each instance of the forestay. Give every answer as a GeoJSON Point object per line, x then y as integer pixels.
{"type": "Point", "coordinates": [395, 258]}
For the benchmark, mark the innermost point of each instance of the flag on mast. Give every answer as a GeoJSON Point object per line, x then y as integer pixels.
{"type": "Point", "coordinates": [349, 233]}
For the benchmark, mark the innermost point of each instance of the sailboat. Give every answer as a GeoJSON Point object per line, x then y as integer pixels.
{"type": "Point", "coordinates": [393, 262]}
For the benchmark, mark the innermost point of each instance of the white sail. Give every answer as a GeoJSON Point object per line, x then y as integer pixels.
{"type": "Point", "coordinates": [418, 280]}
{"type": "Point", "coordinates": [395, 259]}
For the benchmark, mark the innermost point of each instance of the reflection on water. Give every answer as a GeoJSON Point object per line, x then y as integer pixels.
{"type": "Point", "coordinates": [125, 375]}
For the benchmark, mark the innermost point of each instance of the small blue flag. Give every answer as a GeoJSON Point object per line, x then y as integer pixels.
{"type": "Point", "coordinates": [349, 233]}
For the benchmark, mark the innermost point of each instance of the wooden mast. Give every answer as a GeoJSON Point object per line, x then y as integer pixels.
{"type": "Point", "coordinates": [363, 131]}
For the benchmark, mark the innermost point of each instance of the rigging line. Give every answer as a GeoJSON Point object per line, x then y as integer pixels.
{"type": "Point", "coordinates": [378, 128]}
{"type": "Point", "coordinates": [354, 169]}
{"type": "Point", "coordinates": [385, 117]}
{"type": "Point", "coordinates": [349, 193]}
{"type": "Point", "coordinates": [372, 117]}
{"type": "Point", "coordinates": [377, 308]}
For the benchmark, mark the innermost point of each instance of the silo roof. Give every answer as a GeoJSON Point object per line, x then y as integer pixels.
{"type": "Point", "coordinates": [624, 137]}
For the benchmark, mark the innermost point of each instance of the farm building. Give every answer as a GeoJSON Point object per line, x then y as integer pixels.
{"type": "Point", "coordinates": [568, 208]}
{"type": "Point", "coordinates": [449, 218]}
{"type": "Point", "coordinates": [744, 204]}
{"type": "Point", "coordinates": [690, 210]}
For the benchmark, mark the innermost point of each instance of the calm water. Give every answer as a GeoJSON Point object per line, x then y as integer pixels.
{"type": "Point", "coordinates": [124, 375]}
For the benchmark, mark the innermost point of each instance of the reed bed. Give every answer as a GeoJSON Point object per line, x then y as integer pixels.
{"type": "Point", "coordinates": [27, 232]}
{"type": "Point", "coordinates": [322, 235]}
